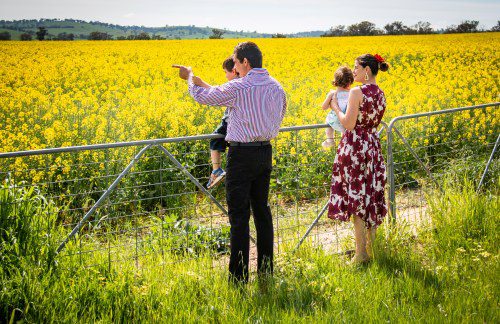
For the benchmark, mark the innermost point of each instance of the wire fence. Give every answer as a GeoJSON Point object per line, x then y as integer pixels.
{"type": "Point", "coordinates": [425, 150]}
{"type": "Point", "coordinates": [124, 202]}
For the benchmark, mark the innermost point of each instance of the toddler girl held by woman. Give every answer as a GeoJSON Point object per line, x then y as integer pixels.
{"type": "Point", "coordinates": [343, 78]}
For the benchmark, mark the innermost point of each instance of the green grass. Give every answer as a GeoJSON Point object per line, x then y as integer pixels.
{"type": "Point", "coordinates": [447, 272]}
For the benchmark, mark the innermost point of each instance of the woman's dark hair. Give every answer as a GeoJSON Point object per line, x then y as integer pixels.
{"type": "Point", "coordinates": [370, 60]}
{"type": "Point", "coordinates": [228, 64]}
{"type": "Point", "coordinates": [251, 52]}
{"type": "Point", "coordinates": [343, 77]}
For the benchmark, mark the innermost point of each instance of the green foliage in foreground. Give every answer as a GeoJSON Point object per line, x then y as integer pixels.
{"type": "Point", "coordinates": [447, 272]}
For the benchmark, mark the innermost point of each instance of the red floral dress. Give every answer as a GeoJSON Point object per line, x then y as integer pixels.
{"type": "Point", "coordinates": [358, 177]}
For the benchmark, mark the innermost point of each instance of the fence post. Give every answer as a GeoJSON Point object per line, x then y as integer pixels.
{"type": "Point", "coordinates": [488, 164]}
{"type": "Point", "coordinates": [390, 173]}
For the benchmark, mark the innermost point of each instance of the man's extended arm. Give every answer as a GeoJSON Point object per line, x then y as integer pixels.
{"type": "Point", "coordinates": [223, 95]}
{"type": "Point", "coordinates": [200, 83]}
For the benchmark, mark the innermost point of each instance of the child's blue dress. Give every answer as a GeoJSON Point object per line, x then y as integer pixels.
{"type": "Point", "coordinates": [331, 118]}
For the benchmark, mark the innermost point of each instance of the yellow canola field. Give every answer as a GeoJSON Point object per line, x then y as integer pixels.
{"type": "Point", "coordinates": [75, 93]}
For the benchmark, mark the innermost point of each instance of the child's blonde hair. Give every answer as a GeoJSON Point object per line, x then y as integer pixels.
{"type": "Point", "coordinates": [343, 77]}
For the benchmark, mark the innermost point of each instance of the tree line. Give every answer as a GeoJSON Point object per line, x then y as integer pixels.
{"type": "Point", "coordinates": [24, 24]}
{"type": "Point", "coordinates": [43, 34]}
{"type": "Point", "coordinates": [366, 28]}
{"type": "Point", "coordinates": [52, 23]}
{"type": "Point", "coordinates": [29, 28]}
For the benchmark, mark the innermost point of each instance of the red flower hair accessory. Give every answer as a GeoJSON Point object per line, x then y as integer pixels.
{"type": "Point", "coordinates": [379, 58]}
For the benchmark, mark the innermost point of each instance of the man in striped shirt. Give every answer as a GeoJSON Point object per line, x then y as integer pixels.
{"type": "Point", "coordinates": [257, 105]}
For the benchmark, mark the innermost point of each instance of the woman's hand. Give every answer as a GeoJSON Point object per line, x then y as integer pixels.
{"type": "Point", "coordinates": [348, 119]}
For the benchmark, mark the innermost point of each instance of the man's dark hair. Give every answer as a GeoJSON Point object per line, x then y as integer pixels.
{"type": "Point", "coordinates": [228, 64]}
{"type": "Point", "coordinates": [251, 52]}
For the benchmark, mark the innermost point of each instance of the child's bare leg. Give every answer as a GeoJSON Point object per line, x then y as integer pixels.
{"type": "Point", "coordinates": [330, 141]}
{"type": "Point", "coordinates": [215, 156]}
{"type": "Point", "coordinates": [329, 133]}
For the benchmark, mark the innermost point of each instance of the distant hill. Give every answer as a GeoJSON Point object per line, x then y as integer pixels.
{"type": "Point", "coordinates": [314, 33]}
{"type": "Point", "coordinates": [81, 29]}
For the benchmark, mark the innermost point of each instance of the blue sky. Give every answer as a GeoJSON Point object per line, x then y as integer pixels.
{"type": "Point", "coordinates": [271, 16]}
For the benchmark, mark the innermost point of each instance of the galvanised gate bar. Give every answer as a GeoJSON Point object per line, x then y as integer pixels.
{"type": "Point", "coordinates": [123, 203]}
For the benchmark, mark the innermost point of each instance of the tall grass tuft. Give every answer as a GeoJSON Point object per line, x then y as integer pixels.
{"type": "Point", "coordinates": [27, 244]}
{"type": "Point", "coordinates": [445, 271]}
{"type": "Point", "coordinates": [27, 227]}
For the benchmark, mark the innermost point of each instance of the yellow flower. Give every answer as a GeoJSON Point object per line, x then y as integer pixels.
{"type": "Point", "coordinates": [95, 92]}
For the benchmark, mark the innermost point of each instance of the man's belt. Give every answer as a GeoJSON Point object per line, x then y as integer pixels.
{"type": "Point", "coordinates": [263, 143]}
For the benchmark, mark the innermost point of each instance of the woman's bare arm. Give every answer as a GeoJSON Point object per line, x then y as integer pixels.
{"type": "Point", "coordinates": [348, 119]}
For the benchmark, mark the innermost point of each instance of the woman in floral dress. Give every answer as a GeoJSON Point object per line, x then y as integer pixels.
{"type": "Point", "coordinates": [358, 177]}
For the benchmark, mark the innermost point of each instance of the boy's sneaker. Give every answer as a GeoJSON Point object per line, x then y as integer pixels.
{"type": "Point", "coordinates": [215, 177]}
{"type": "Point", "coordinates": [328, 143]}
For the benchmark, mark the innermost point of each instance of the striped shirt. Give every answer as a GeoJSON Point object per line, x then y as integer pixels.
{"type": "Point", "coordinates": [256, 103]}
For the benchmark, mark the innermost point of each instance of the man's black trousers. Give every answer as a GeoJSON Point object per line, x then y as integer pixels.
{"type": "Point", "coordinates": [247, 185]}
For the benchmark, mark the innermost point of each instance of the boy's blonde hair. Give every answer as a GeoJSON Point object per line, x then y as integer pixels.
{"type": "Point", "coordinates": [343, 77]}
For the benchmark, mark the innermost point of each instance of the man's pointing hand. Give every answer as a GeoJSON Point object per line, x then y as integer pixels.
{"type": "Point", "coordinates": [184, 71]}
